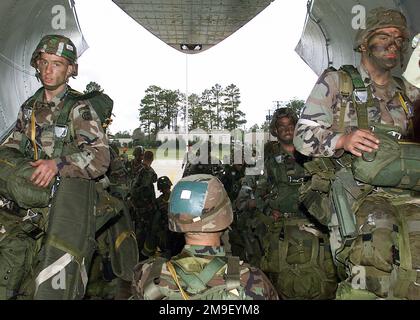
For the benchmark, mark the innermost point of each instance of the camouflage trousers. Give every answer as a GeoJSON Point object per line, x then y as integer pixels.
{"type": "Point", "coordinates": [143, 225]}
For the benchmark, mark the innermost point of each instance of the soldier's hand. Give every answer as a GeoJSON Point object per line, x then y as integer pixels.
{"type": "Point", "coordinates": [276, 215]}
{"type": "Point", "coordinates": [45, 171]}
{"type": "Point", "coordinates": [358, 141]}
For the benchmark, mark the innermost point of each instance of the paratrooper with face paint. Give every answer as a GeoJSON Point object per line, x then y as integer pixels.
{"type": "Point", "coordinates": [350, 125]}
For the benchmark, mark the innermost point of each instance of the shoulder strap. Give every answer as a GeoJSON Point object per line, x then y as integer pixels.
{"type": "Point", "coordinates": [151, 289]}
{"type": "Point", "coordinates": [72, 97]}
{"type": "Point", "coordinates": [197, 282]}
{"type": "Point", "coordinates": [359, 91]}
{"type": "Point", "coordinates": [233, 276]}
{"type": "Point", "coordinates": [346, 89]}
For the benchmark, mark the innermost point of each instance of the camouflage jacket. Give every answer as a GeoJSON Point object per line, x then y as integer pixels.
{"type": "Point", "coordinates": [317, 130]}
{"type": "Point", "coordinates": [278, 187]}
{"type": "Point", "coordinates": [143, 192]}
{"type": "Point", "coordinates": [255, 283]}
{"type": "Point", "coordinates": [92, 158]}
{"type": "Point", "coordinates": [246, 192]}
{"type": "Point", "coordinates": [231, 179]}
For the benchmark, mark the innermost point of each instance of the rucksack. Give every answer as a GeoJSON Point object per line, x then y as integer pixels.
{"type": "Point", "coordinates": [298, 260]}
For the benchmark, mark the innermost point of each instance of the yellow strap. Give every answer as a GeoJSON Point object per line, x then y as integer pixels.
{"type": "Point", "coordinates": [403, 104]}
{"type": "Point", "coordinates": [122, 237]}
{"type": "Point", "coordinates": [33, 132]}
{"type": "Point", "coordinates": [171, 269]}
{"type": "Point", "coordinates": [407, 112]}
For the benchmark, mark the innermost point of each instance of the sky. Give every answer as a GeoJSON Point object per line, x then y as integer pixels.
{"type": "Point", "coordinates": [125, 59]}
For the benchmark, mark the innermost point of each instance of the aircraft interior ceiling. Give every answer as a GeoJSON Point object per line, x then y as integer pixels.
{"type": "Point", "coordinates": [328, 36]}
{"type": "Point", "coordinates": [195, 23]}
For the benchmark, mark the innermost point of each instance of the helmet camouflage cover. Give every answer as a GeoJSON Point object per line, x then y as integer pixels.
{"type": "Point", "coordinates": [381, 18]}
{"type": "Point", "coordinates": [138, 150]}
{"type": "Point", "coordinates": [60, 46]}
{"type": "Point", "coordinates": [280, 113]}
{"type": "Point", "coordinates": [163, 182]}
{"type": "Point", "coordinates": [199, 203]}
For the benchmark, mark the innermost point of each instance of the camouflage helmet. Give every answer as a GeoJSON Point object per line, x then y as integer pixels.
{"type": "Point", "coordinates": [60, 46]}
{"type": "Point", "coordinates": [138, 150]}
{"type": "Point", "coordinates": [163, 182]}
{"type": "Point", "coordinates": [381, 18]}
{"type": "Point", "coordinates": [280, 113]}
{"type": "Point", "coordinates": [199, 203]}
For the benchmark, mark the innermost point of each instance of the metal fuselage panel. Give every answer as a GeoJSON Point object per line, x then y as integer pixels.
{"type": "Point", "coordinates": [328, 36]}
{"type": "Point", "coordinates": [22, 24]}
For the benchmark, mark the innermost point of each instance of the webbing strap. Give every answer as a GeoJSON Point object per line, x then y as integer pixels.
{"type": "Point", "coordinates": [198, 281]}
{"type": "Point", "coordinates": [33, 132]}
{"type": "Point", "coordinates": [123, 235]}
{"type": "Point", "coordinates": [62, 121]}
{"type": "Point", "coordinates": [233, 277]}
{"type": "Point", "coordinates": [174, 275]}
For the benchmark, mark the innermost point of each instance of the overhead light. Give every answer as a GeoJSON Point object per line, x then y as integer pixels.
{"type": "Point", "coordinates": [191, 47]}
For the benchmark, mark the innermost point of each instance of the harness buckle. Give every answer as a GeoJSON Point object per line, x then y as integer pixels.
{"type": "Point", "coordinates": [360, 95]}
{"type": "Point", "coordinates": [29, 215]}
{"type": "Point", "coordinates": [395, 134]}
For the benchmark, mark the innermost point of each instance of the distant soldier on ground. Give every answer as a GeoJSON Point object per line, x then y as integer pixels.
{"type": "Point", "coordinates": [168, 242]}
{"type": "Point", "coordinates": [136, 163]}
{"type": "Point", "coordinates": [143, 198]}
{"type": "Point", "coordinates": [200, 208]}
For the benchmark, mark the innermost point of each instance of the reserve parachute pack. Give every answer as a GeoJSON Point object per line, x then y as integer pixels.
{"type": "Point", "coordinates": [194, 273]}
{"type": "Point", "coordinates": [298, 260]}
{"type": "Point", "coordinates": [15, 183]}
{"type": "Point", "coordinates": [65, 257]}
{"type": "Point", "coordinates": [395, 164]}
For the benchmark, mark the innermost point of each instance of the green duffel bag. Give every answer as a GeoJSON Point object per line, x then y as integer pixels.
{"type": "Point", "coordinates": [17, 251]}
{"type": "Point", "coordinates": [395, 164]}
{"type": "Point", "coordinates": [298, 261]}
{"type": "Point", "coordinates": [15, 183]}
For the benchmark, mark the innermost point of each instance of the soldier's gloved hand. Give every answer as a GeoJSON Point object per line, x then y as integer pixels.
{"type": "Point", "coordinates": [45, 171]}
{"type": "Point", "coordinates": [358, 141]}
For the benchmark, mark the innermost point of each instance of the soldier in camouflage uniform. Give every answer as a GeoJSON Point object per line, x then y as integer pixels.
{"type": "Point", "coordinates": [169, 243]}
{"type": "Point", "coordinates": [37, 135]}
{"type": "Point", "coordinates": [200, 208]}
{"type": "Point", "coordinates": [137, 162]}
{"type": "Point", "coordinates": [246, 230]}
{"type": "Point", "coordinates": [143, 198]}
{"type": "Point", "coordinates": [340, 125]}
{"type": "Point", "coordinates": [288, 224]}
